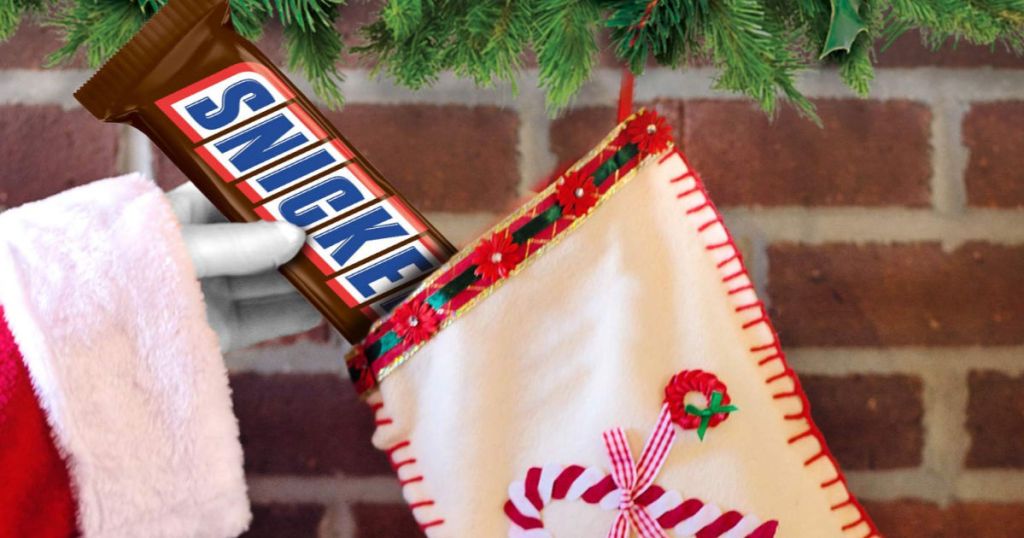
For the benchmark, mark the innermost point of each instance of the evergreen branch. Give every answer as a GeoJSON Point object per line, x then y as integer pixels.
{"type": "Point", "coordinates": [494, 36]}
{"type": "Point", "coordinates": [248, 16]}
{"type": "Point", "coordinates": [316, 49]}
{"type": "Point", "coordinates": [855, 67]}
{"type": "Point", "coordinates": [11, 13]}
{"type": "Point", "coordinates": [100, 27]}
{"type": "Point", "coordinates": [758, 46]}
{"type": "Point", "coordinates": [982, 22]}
{"type": "Point", "coordinates": [414, 60]}
{"type": "Point", "coordinates": [656, 27]}
{"type": "Point", "coordinates": [402, 16]}
{"type": "Point", "coordinates": [753, 60]}
{"type": "Point", "coordinates": [566, 45]}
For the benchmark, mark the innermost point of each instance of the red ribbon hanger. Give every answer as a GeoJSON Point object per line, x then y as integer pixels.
{"type": "Point", "coordinates": [625, 95]}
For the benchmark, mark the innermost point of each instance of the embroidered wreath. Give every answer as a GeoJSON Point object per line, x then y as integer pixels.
{"type": "Point", "coordinates": [691, 417]}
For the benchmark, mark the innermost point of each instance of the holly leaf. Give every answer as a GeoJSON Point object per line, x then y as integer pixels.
{"type": "Point", "coordinates": [844, 28]}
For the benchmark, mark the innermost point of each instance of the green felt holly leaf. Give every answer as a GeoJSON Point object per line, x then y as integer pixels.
{"type": "Point", "coordinates": [846, 25]}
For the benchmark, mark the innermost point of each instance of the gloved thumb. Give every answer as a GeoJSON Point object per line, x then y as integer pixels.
{"type": "Point", "coordinates": [233, 249]}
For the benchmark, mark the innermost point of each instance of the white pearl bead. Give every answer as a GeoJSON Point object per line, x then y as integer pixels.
{"type": "Point", "coordinates": [652, 128]}
{"type": "Point", "coordinates": [496, 257]}
{"type": "Point", "coordinates": [413, 321]}
{"type": "Point", "coordinates": [578, 192]}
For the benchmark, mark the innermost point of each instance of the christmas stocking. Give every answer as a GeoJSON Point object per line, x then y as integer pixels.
{"type": "Point", "coordinates": [599, 365]}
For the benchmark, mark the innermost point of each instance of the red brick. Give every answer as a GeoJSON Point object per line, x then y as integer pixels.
{"type": "Point", "coordinates": [918, 519]}
{"type": "Point", "coordinates": [910, 51]}
{"type": "Point", "coordinates": [578, 130]}
{"type": "Point", "coordinates": [29, 47]}
{"type": "Point", "coordinates": [995, 420]}
{"type": "Point", "coordinates": [385, 521]}
{"type": "Point", "coordinates": [443, 158]}
{"type": "Point", "coordinates": [271, 43]}
{"type": "Point", "coordinates": [869, 153]}
{"type": "Point", "coordinates": [995, 171]}
{"type": "Point", "coordinates": [304, 424]}
{"type": "Point", "coordinates": [168, 176]}
{"type": "Point", "coordinates": [869, 421]}
{"type": "Point", "coordinates": [905, 294]}
{"type": "Point", "coordinates": [285, 521]}
{"type": "Point", "coordinates": [47, 149]}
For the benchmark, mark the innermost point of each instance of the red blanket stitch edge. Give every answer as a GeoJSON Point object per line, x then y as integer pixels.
{"type": "Point", "coordinates": [774, 347]}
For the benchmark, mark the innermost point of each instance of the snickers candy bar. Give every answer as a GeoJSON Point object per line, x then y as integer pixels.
{"type": "Point", "coordinates": [259, 150]}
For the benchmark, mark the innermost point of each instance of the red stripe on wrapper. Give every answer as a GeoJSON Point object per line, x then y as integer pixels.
{"type": "Point", "coordinates": [319, 262]}
{"type": "Point", "coordinates": [249, 193]}
{"type": "Point", "coordinates": [264, 214]}
{"type": "Point", "coordinates": [165, 103]}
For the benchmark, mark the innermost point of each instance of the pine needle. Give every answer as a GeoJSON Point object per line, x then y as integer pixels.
{"type": "Point", "coordinates": [758, 46]}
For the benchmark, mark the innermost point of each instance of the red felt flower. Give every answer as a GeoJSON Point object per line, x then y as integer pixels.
{"type": "Point", "coordinates": [706, 384]}
{"type": "Point", "coordinates": [415, 321]}
{"type": "Point", "coordinates": [576, 194]}
{"type": "Point", "coordinates": [649, 132]}
{"type": "Point", "coordinates": [496, 257]}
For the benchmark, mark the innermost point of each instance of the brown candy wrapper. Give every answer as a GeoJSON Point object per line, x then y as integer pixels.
{"type": "Point", "coordinates": [259, 150]}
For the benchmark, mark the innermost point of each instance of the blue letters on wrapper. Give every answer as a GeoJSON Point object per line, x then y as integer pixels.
{"type": "Point", "coordinates": [206, 114]}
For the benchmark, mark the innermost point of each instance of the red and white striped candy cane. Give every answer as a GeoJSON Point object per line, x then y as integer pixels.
{"type": "Point", "coordinates": [684, 517]}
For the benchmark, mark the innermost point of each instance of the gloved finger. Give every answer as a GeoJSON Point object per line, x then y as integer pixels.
{"type": "Point", "coordinates": [241, 248]}
{"type": "Point", "coordinates": [191, 207]}
{"type": "Point", "coordinates": [267, 284]}
{"type": "Point", "coordinates": [264, 319]}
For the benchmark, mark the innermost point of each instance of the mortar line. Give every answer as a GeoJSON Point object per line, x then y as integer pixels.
{"type": "Point", "coordinates": [895, 484]}
{"type": "Point", "coordinates": [840, 361]}
{"type": "Point", "coordinates": [325, 358]}
{"type": "Point", "coordinates": [754, 246]}
{"type": "Point", "coordinates": [535, 157]}
{"type": "Point", "coordinates": [925, 84]}
{"type": "Point", "coordinates": [944, 401]}
{"type": "Point", "coordinates": [949, 156]}
{"type": "Point", "coordinates": [760, 268]}
{"type": "Point", "coordinates": [138, 153]}
{"type": "Point", "coordinates": [988, 485]}
{"type": "Point", "coordinates": [339, 521]}
{"type": "Point", "coordinates": [992, 485]}
{"type": "Point", "coordinates": [878, 225]}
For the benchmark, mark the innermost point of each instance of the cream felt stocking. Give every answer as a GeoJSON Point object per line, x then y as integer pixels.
{"type": "Point", "coordinates": [599, 365]}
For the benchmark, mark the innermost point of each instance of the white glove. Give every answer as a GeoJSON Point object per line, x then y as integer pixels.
{"type": "Point", "coordinates": [247, 300]}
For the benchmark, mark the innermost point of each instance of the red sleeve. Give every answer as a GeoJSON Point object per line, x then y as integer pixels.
{"type": "Point", "coordinates": [35, 491]}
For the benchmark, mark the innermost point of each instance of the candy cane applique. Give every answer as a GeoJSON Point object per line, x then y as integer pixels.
{"type": "Point", "coordinates": [643, 507]}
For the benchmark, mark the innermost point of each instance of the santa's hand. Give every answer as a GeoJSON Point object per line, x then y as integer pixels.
{"type": "Point", "coordinates": [247, 300]}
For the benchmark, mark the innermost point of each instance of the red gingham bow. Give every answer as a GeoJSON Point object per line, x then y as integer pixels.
{"type": "Point", "coordinates": [633, 479]}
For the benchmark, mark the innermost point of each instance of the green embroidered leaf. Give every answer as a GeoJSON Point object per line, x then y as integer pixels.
{"type": "Point", "coordinates": [846, 25]}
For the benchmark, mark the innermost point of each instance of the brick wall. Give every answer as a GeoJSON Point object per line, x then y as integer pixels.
{"type": "Point", "coordinates": [890, 246]}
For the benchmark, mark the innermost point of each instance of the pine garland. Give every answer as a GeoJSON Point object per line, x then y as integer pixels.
{"type": "Point", "coordinates": [758, 46]}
